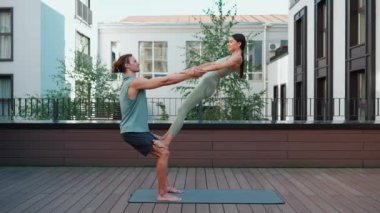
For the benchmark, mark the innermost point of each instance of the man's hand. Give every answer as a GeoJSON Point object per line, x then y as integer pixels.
{"type": "Point", "coordinates": [194, 72]}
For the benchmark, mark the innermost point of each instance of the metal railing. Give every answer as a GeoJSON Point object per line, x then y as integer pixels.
{"type": "Point", "coordinates": [210, 109]}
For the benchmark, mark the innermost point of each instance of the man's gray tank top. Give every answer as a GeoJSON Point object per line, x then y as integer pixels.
{"type": "Point", "coordinates": [134, 112]}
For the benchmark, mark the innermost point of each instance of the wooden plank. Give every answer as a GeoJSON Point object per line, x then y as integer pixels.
{"type": "Point", "coordinates": [323, 146]}
{"type": "Point", "coordinates": [193, 146]}
{"type": "Point", "coordinates": [272, 184]}
{"type": "Point", "coordinates": [122, 203]}
{"type": "Point", "coordinates": [79, 194]}
{"type": "Point", "coordinates": [190, 184]}
{"type": "Point", "coordinates": [55, 176]}
{"type": "Point", "coordinates": [223, 184]}
{"type": "Point", "coordinates": [325, 136]}
{"type": "Point", "coordinates": [179, 183]}
{"type": "Point", "coordinates": [107, 187]}
{"type": "Point", "coordinates": [309, 189]}
{"type": "Point", "coordinates": [336, 199]}
{"type": "Point", "coordinates": [146, 184]}
{"type": "Point", "coordinates": [201, 183]}
{"type": "Point", "coordinates": [116, 194]}
{"type": "Point", "coordinates": [289, 186]}
{"type": "Point", "coordinates": [56, 191]}
{"type": "Point", "coordinates": [332, 155]}
{"type": "Point", "coordinates": [213, 184]}
{"type": "Point", "coordinates": [351, 193]}
{"type": "Point", "coordinates": [246, 146]}
{"type": "Point", "coordinates": [12, 175]}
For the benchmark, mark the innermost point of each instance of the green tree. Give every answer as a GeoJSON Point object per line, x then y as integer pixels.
{"type": "Point", "coordinates": [94, 94]}
{"type": "Point", "coordinates": [233, 95]}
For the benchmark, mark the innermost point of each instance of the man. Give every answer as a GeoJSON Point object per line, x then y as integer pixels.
{"type": "Point", "coordinates": [134, 124]}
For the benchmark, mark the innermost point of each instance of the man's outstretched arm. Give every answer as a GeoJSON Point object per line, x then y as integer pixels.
{"type": "Point", "coordinates": [142, 83]}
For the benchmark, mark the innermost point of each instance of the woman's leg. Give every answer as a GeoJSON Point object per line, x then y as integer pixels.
{"type": "Point", "coordinates": [203, 90]}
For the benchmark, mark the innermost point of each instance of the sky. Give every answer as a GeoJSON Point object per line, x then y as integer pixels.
{"type": "Point", "coordinates": [115, 10]}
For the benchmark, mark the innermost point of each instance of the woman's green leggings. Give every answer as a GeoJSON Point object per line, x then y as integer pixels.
{"type": "Point", "coordinates": [204, 89]}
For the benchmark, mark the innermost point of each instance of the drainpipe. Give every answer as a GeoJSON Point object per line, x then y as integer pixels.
{"type": "Point", "coordinates": [265, 60]}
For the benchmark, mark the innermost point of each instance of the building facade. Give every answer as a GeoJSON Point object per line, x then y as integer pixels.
{"type": "Point", "coordinates": [160, 44]}
{"type": "Point", "coordinates": [34, 36]}
{"type": "Point", "coordinates": [333, 62]}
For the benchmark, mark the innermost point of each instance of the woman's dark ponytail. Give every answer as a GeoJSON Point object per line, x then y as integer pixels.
{"type": "Point", "coordinates": [241, 38]}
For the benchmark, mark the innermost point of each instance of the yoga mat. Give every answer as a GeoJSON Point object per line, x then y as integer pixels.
{"type": "Point", "coordinates": [230, 196]}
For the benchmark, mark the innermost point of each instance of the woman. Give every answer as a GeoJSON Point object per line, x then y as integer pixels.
{"type": "Point", "coordinates": [208, 83]}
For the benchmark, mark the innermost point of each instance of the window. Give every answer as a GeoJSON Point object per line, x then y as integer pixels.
{"type": "Point", "coordinates": [254, 51]}
{"type": "Point", "coordinates": [193, 50]}
{"type": "Point", "coordinates": [5, 97]}
{"type": "Point", "coordinates": [361, 60]}
{"type": "Point", "coordinates": [361, 22]}
{"type": "Point", "coordinates": [323, 84]}
{"type": "Point", "coordinates": [82, 43]}
{"type": "Point", "coordinates": [6, 34]}
{"type": "Point", "coordinates": [113, 51]}
{"type": "Point", "coordinates": [292, 3]}
{"type": "Point", "coordinates": [321, 29]}
{"type": "Point", "coordinates": [300, 65]}
{"type": "Point", "coordinates": [86, 2]}
{"type": "Point", "coordinates": [275, 103]}
{"type": "Point", "coordinates": [283, 102]}
{"type": "Point", "coordinates": [83, 11]}
{"type": "Point", "coordinates": [358, 22]}
{"type": "Point", "coordinates": [284, 43]}
{"type": "Point", "coordinates": [321, 100]}
{"type": "Point", "coordinates": [358, 100]}
{"type": "Point", "coordinates": [153, 58]}
{"type": "Point", "coordinates": [298, 42]}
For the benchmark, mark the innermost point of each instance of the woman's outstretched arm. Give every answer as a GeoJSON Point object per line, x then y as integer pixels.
{"type": "Point", "coordinates": [233, 62]}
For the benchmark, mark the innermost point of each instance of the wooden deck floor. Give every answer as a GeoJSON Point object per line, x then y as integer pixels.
{"type": "Point", "coordinates": [107, 189]}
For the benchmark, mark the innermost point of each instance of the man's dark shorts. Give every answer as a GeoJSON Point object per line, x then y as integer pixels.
{"type": "Point", "coordinates": [141, 141]}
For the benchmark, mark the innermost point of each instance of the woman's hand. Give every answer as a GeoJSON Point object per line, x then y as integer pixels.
{"type": "Point", "coordinates": [194, 72]}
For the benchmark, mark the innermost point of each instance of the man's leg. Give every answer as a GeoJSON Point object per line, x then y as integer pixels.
{"type": "Point", "coordinates": [162, 153]}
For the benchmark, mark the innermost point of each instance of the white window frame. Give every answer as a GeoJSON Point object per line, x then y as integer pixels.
{"type": "Point", "coordinates": [153, 72]}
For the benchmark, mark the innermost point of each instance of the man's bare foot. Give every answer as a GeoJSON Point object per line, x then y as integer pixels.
{"type": "Point", "coordinates": [174, 190]}
{"type": "Point", "coordinates": [168, 198]}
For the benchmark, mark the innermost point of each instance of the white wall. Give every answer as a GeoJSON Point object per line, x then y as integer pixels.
{"type": "Point", "coordinates": [73, 25]}
{"type": "Point", "coordinates": [128, 36]}
{"type": "Point", "coordinates": [278, 74]}
{"type": "Point", "coordinates": [25, 66]}
{"type": "Point", "coordinates": [378, 52]}
{"type": "Point", "coordinates": [339, 66]}
{"type": "Point", "coordinates": [128, 40]}
{"type": "Point", "coordinates": [310, 51]}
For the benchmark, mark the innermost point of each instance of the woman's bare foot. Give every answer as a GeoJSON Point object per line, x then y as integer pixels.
{"type": "Point", "coordinates": [167, 139]}
{"type": "Point", "coordinates": [168, 198]}
{"type": "Point", "coordinates": [158, 136]}
{"type": "Point", "coordinates": [160, 144]}
{"type": "Point", "coordinates": [174, 190]}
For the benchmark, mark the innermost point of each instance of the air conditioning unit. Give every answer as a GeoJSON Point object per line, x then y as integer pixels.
{"type": "Point", "coordinates": [273, 46]}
